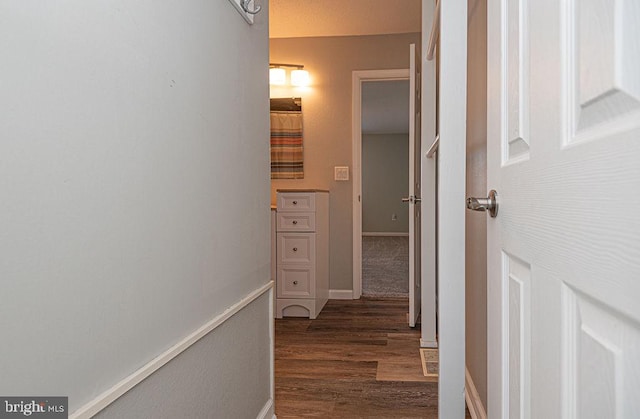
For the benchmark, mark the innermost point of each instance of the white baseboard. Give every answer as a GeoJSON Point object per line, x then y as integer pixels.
{"type": "Point", "coordinates": [384, 234]}
{"type": "Point", "coordinates": [428, 343]}
{"type": "Point", "coordinates": [106, 398]}
{"type": "Point", "coordinates": [267, 411]}
{"type": "Point", "coordinates": [474, 404]}
{"type": "Point", "coordinates": [340, 295]}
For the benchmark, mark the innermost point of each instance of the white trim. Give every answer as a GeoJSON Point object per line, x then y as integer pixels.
{"type": "Point", "coordinates": [497, 293]}
{"type": "Point", "coordinates": [272, 346]}
{"type": "Point", "coordinates": [471, 395]}
{"type": "Point", "coordinates": [341, 295]}
{"type": "Point", "coordinates": [428, 343]}
{"type": "Point", "coordinates": [267, 411]}
{"type": "Point", "coordinates": [383, 234]}
{"type": "Point", "coordinates": [358, 77]}
{"type": "Point", "coordinates": [106, 398]}
{"type": "Point", "coordinates": [451, 209]}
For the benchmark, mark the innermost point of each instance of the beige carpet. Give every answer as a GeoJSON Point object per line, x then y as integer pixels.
{"type": "Point", "coordinates": [385, 266]}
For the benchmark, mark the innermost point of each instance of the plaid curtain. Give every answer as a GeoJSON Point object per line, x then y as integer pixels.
{"type": "Point", "coordinates": [286, 145]}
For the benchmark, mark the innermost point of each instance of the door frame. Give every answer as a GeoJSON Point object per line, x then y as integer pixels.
{"type": "Point", "coordinates": [497, 302]}
{"type": "Point", "coordinates": [451, 207]}
{"type": "Point", "coordinates": [429, 179]}
{"type": "Point", "coordinates": [358, 78]}
{"type": "Point", "coordinates": [428, 337]}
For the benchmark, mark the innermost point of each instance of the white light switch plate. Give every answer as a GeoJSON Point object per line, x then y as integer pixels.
{"type": "Point", "coordinates": [341, 172]}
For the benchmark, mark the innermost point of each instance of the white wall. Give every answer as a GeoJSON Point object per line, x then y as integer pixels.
{"type": "Point", "coordinates": [134, 172]}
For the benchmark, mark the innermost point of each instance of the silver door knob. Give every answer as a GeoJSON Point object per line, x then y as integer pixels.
{"type": "Point", "coordinates": [412, 199]}
{"type": "Point", "coordinates": [489, 204]}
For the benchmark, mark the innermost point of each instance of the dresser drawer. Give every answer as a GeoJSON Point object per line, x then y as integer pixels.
{"type": "Point", "coordinates": [295, 282]}
{"type": "Point", "coordinates": [296, 201]}
{"type": "Point", "coordinates": [296, 248]}
{"type": "Point", "coordinates": [296, 221]}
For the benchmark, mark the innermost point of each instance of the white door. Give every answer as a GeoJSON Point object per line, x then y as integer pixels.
{"type": "Point", "coordinates": [564, 249]}
{"type": "Point", "coordinates": [414, 185]}
{"type": "Point", "coordinates": [428, 184]}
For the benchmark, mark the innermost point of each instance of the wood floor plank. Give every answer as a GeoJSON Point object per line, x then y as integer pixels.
{"type": "Point", "coordinates": [390, 370]}
{"type": "Point", "coordinates": [289, 390]}
{"type": "Point", "coordinates": [338, 351]}
{"type": "Point", "coordinates": [307, 408]}
{"type": "Point", "coordinates": [358, 359]}
{"type": "Point", "coordinates": [326, 369]}
{"type": "Point", "coordinates": [403, 362]}
{"type": "Point", "coordinates": [284, 338]}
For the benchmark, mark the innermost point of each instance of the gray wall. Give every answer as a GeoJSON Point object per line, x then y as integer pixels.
{"type": "Point", "coordinates": [327, 122]}
{"type": "Point", "coordinates": [476, 222]}
{"type": "Point", "coordinates": [125, 222]}
{"type": "Point", "coordinates": [192, 387]}
{"type": "Point", "coordinates": [385, 181]}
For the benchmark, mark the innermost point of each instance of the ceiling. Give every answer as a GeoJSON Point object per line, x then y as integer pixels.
{"type": "Point", "coordinates": [307, 18]}
{"type": "Point", "coordinates": [385, 107]}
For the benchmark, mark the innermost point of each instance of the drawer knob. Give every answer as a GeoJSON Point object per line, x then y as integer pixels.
{"type": "Point", "coordinates": [295, 202]}
{"type": "Point", "coordinates": [295, 249]}
{"type": "Point", "coordinates": [295, 222]}
{"type": "Point", "coordinates": [295, 282]}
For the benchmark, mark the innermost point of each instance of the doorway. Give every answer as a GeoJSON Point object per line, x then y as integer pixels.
{"type": "Point", "coordinates": [385, 177]}
{"type": "Point", "coordinates": [360, 81]}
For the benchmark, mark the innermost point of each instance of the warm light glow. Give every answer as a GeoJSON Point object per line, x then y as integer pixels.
{"type": "Point", "coordinates": [277, 76]}
{"type": "Point", "coordinates": [300, 78]}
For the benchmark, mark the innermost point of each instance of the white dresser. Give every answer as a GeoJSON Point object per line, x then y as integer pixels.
{"type": "Point", "coordinates": [302, 252]}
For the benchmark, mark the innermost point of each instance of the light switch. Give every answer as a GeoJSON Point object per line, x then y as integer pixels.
{"type": "Point", "coordinates": [341, 173]}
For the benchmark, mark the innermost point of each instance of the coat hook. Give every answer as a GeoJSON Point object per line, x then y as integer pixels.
{"type": "Point", "coordinates": [245, 7]}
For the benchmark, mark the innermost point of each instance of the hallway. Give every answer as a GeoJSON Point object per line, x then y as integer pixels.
{"type": "Point", "coordinates": [358, 359]}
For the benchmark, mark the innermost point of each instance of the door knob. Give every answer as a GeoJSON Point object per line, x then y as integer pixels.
{"type": "Point", "coordinates": [489, 203]}
{"type": "Point", "coordinates": [412, 199]}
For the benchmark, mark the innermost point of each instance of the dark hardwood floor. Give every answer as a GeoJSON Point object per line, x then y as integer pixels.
{"type": "Point", "coordinates": [358, 359]}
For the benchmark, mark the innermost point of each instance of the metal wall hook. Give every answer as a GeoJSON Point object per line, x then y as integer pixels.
{"type": "Point", "coordinates": [245, 7]}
